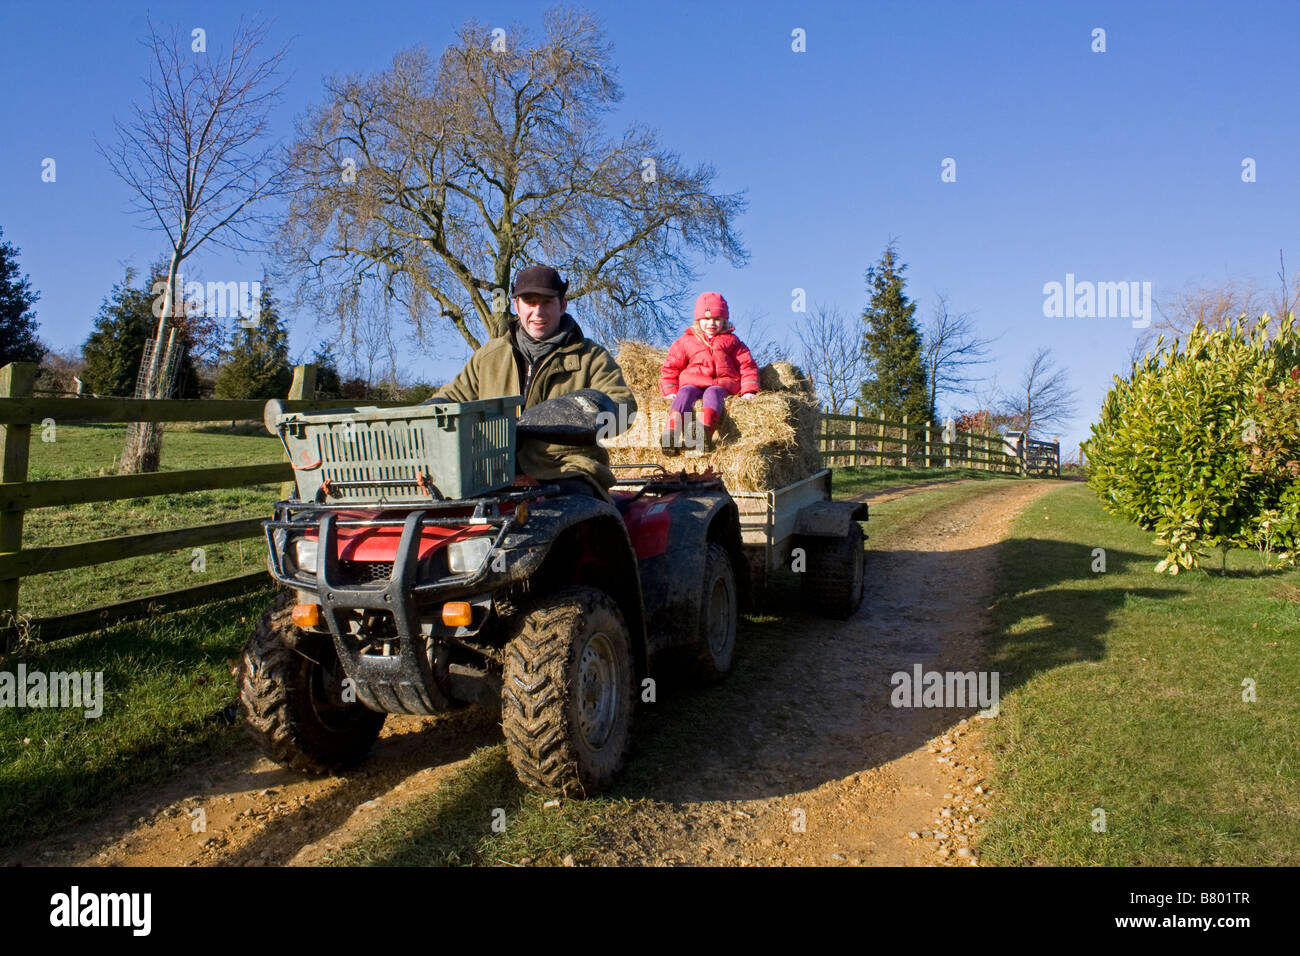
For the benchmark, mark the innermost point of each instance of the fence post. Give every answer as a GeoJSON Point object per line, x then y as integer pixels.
{"type": "Point", "coordinates": [928, 427]}
{"type": "Point", "coordinates": [880, 448]}
{"type": "Point", "coordinates": [853, 442]}
{"type": "Point", "coordinates": [1015, 449]}
{"type": "Point", "coordinates": [906, 442]}
{"type": "Point", "coordinates": [824, 443]}
{"type": "Point", "coordinates": [16, 381]}
{"type": "Point", "coordinates": [303, 387]}
{"type": "Point", "coordinates": [948, 438]}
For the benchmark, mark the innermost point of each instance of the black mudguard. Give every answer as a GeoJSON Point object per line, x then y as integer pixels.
{"type": "Point", "coordinates": [671, 580]}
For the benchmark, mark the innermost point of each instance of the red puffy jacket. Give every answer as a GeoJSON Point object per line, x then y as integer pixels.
{"type": "Point", "coordinates": [694, 360]}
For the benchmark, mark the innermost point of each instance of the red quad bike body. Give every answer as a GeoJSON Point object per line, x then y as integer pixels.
{"type": "Point", "coordinates": [560, 609]}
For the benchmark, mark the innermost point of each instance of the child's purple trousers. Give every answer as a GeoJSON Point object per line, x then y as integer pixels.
{"type": "Point", "coordinates": [710, 414]}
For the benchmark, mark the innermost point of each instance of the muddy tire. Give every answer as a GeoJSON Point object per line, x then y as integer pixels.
{"type": "Point", "coordinates": [719, 613]}
{"type": "Point", "coordinates": [834, 580]}
{"type": "Point", "coordinates": [567, 693]}
{"type": "Point", "coordinates": [293, 707]}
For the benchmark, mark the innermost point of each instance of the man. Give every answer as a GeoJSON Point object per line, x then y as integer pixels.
{"type": "Point", "coordinates": [541, 356]}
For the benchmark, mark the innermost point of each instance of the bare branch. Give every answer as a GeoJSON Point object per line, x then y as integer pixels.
{"type": "Point", "coordinates": [195, 156]}
{"type": "Point", "coordinates": [832, 355]}
{"type": "Point", "coordinates": [435, 180]}
{"type": "Point", "coordinates": [952, 349]}
{"type": "Point", "coordinates": [1045, 398]}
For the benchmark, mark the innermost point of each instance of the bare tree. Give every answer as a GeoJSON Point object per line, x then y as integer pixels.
{"type": "Point", "coordinates": [196, 156]}
{"type": "Point", "coordinates": [952, 349]}
{"type": "Point", "coordinates": [754, 329]}
{"type": "Point", "coordinates": [1044, 399]}
{"type": "Point", "coordinates": [1212, 305]}
{"type": "Point", "coordinates": [433, 181]}
{"type": "Point", "coordinates": [1286, 300]}
{"type": "Point", "coordinates": [832, 355]}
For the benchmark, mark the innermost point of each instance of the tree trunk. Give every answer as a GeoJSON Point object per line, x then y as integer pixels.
{"type": "Point", "coordinates": [142, 450]}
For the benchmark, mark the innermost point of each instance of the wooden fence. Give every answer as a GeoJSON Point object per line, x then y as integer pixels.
{"type": "Point", "coordinates": [19, 412]}
{"type": "Point", "coordinates": [855, 439]}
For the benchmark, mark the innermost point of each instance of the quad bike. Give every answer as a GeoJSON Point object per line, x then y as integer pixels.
{"type": "Point", "coordinates": [421, 575]}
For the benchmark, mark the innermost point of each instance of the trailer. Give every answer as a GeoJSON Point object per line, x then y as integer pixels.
{"type": "Point", "coordinates": [799, 530]}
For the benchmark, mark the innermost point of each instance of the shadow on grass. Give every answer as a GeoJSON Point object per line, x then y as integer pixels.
{"type": "Point", "coordinates": [168, 701]}
{"type": "Point", "coordinates": [238, 428]}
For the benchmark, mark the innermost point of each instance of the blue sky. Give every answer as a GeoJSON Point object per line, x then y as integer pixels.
{"type": "Point", "coordinates": [1115, 166]}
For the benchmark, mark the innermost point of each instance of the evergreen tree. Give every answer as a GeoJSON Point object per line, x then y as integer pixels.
{"type": "Point", "coordinates": [893, 346]}
{"type": "Point", "coordinates": [18, 341]}
{"type": "Point", "coordinates": [328, 382]}
{"type": "Point", "coordinates": [258, 364]}
{"type": "Point", "coordinates": [112, 352]}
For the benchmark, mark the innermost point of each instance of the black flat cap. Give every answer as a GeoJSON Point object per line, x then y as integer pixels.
{"type": "Point", "coordinates": [541, 280]}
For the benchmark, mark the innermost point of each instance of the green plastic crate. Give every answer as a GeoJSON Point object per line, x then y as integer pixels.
{"type": "Point", "coordinates": [400, 455]}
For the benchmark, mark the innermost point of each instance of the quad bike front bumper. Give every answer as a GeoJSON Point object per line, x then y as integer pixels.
{"type": "Point", "coordinates": [402, 674]}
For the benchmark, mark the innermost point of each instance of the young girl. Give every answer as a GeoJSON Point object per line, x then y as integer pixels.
{"type": "Point", "coordinates": [708, 362]}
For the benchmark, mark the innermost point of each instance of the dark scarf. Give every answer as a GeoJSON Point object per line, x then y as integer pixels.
{"type": "Point", "coordinates": [535, 350]}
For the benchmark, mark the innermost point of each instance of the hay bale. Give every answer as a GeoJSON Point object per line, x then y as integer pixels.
{"type": "Point", "coordinates": [641, 364]}
{"type": "Point", "coordinates": [784, 377]}
{"type": "Point", "coordinates": [763, 443]}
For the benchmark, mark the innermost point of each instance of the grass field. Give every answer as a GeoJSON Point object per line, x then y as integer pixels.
{"type": "Point", "coordinates": [861, 480]}
{"type": "Point", "coordinates": [88, 450]}
{"type": "Point", "coordinates": [1123, 692]}
{"type": "Point", "coordinates": [168, 700]}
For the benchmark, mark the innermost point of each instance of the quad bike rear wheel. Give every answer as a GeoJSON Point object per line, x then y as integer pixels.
{"type": "Point", "coordinates": [567, 693]}
{"type": "Point", "coordinates": [293, 704]}
{"type": "Point", "coordinates": [716, 641]}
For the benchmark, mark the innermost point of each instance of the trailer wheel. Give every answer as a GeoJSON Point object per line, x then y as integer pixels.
{"type": "Point", "coordinates": [834, 580]}
{"type": "Point", "coordinates": [716, 641]}
{"type": "Point", "coordinates": [293, 705]}
{"type": "Point", "coordinates": [566, 694]}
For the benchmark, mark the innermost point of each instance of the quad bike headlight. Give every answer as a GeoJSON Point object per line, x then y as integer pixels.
{"type": "Point", "coordinates": [468, 555]}
{"type": "Point", "coordinates": [304, 554]}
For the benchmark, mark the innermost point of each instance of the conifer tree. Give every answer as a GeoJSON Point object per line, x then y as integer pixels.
{"type": "Point", "coordinates": [124, 324]}
{"type": "Point", "coordinates": [896, 383]}
{"type": "Point", "coordinates": [18, 341]}
{"type": "Point", "coordinates": [258, 364]}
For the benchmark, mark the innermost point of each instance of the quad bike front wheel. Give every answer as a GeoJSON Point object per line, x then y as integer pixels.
{"type": "Point", "coordinates": [567, 693]}
{"type": "Point", "coordinates": [293, 704]}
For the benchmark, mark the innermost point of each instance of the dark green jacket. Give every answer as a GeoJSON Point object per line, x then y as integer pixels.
{"type": "Point", "coordinates": [497, 369]}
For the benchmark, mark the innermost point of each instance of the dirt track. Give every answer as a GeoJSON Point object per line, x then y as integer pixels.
{"type": "Point", "coordinates": [850, 785]}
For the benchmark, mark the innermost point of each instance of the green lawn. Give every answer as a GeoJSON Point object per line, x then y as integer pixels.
{"type": "Point", "coordinates": [85, 451]}
{"type": "Point", "coordinates": [1123, 692]}
{"type": "Point", "coordinates": [856, 481]}
{"type": "Point", "coordinates": [168, 694]}
{"type": "Point", "coordinates": [168, 700]}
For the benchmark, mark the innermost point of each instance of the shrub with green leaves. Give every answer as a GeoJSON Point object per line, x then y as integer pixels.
{"type": "Point", "coordinates": [1172, 450]}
